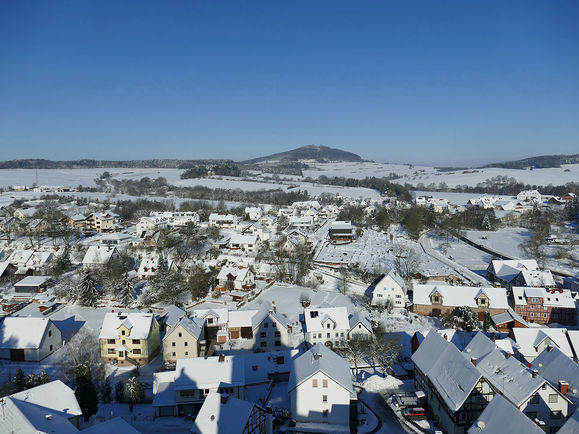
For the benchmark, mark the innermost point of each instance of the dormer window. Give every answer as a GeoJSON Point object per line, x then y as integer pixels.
{"type": "Point", "coordinates": [122, 332]}
{"type": "Point", "coordinates": [328, 325]}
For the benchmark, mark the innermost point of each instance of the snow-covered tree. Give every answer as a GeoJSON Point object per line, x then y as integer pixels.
{"type": "Point", "coordinates": [125, 291]}
{"type": "Point", "coordinates": [88, 290]}
{"type": "Point", "coordinates": [134, 392]}
{"type": "Point", "coordinates": [384, 350]}
{"type": "Point", "coordinates": [468, 317]}
{"type": "Point", "coordinates": [486, 223]}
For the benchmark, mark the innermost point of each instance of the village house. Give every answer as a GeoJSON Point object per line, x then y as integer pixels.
{"type": "Point", "coordinates": [28, 261]}
{"type": "Point", "coordinates": [7, 269]}
{"type": "Point", "coordinates": [28, 339]}
{"type": "Point", "coordinates": [532, 341]}
{"type": "Point", "coordinates": [500, 416]}
{"type": "Point", "coordinates": [149, 266]}
{"type": "Point", "coordinates": [24, 213]}
{"type": "Point", "coordinates": [456, 392]}
{"type": "Point", "coordinates": [75, 220]}
{"type": "Point", "coordinates": [437, 300]}
{"type": "Point", "coordinates": [320, 387]}
{"type": "Point", "coordinates": [390, 287]}
{"type": "Point", "coordinates": [522, 386]}
{"type": "Point", "coordinates": [253, 213]}
{"type": "Point", "coordinates": [332, 326]}
{"type": "Point", "coordinates": [102, 221]}
{"type": "Point", "coordinates": [170, 317]}
{"type": "Point", "coordinates": [504, 272]}
{"type": "Point", "coordinates": [560, 371]}
{"type": "Point", "coordinates": [223, 221]}
{"type": "Point", "coordinates": [529, 195]}
{"type": "Point", "coordinates": [149, 225]}
{"type": "Point", "coordinates": [543, 306]}
{"type": "Point", "coordinates": [129, 338]}
{"type": "Point", "coordinates": [48, 408]}
{"type": "Point", "coordinates": [256, 229]}
{"type": "Point", "coordinates": [232, 277]}
{"type": "Point", "coordinates": [33, 284]}
{"type": "Point", "coordinates": [177, 218]}
{"type": "Point", "coordinates": [301, 222]}
{"type": "Point", "coordinates": [216, 323]}
{"type": "Point", "coordinates": [341, 231]}
{"type": "Point", "coordinates": [98, 256]}
{"type": "Point", "coordinates": [506, 321]}
{"type": "Point", "coordinates": [244, 242]}
{"type": "Point", "coordinates": [185, 339]}
{"type": "Point", "coordinates": [224, 414]}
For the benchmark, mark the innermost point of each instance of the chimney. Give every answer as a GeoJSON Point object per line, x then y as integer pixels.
{"type": "Point", "coordinates": [529, 365]}
{"type": "Point", "coordinates": [534, 373]}
{"type": "Point", "coordinates": [549, 348]}
{"type": "Point", "coordinates": [541, 424]}
{"type": "Point", "coordinates": [274, 307]}
{"type": "Point", "coordinates": [221, 358]}
{"type": "Point", "coordinates": [563, 387]}
{"type": "Point", "coordinates": [507, 355]}
{"type": "Point", "coordinates": [317, 356]}
{"type": "Point", "coordinates": [473, 360]}
{"type": "Point", "coordinates": [224, 399]}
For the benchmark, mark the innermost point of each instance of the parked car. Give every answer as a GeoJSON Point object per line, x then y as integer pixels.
{"type": "Point", "coordinates": [414, 412]}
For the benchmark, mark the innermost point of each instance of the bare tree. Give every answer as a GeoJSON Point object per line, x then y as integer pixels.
{"type": "Point", "coordinates": [407, 260]}
{"type": "Point", "coordinates": [356, 350]}
{"type": "Point", "coordinates": [385, 351]}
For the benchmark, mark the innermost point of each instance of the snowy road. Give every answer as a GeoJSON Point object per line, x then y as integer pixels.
{"type": "Point", "coordinates": [390, 423]}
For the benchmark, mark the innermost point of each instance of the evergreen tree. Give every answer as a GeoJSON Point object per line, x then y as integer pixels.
{"type": "Point", "coordinates": [89, 292]}
{"type": "Point", "coordinates": [19, 380]}
{"type": "Point", "coordinates": [487, 321]}
{"type": "Point", "coordinates": [43, 378]}
{"type": "Point", "coordinates": [107, 391]}
{"type": "Point", "coordinates": [85, 392]}
{"type": "Point", "coordinates": [126, 291]}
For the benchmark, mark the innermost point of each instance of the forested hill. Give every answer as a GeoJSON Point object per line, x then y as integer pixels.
{"type": "Point", "coordinates": [540, 162]}
{"type": "Point", "coordinates": [311, 152]}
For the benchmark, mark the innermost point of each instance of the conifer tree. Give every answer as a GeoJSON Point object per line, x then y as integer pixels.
{"type": "Point", "coordinates": [125, 291]}
{"type": "Point", "coordinates": [88, 291]}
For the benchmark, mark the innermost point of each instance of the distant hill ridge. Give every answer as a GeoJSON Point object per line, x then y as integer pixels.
{"type": "Point", "coordinates": [540, 162]}
{"type": "Point", "coordinates": [311, 152]}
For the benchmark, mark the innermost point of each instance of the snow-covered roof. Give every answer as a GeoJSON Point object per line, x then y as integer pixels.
{"type": "Point", "coordinates": [528, 340]}
{"type": "Point", "coordinates": [394, 276]}
{"type": "Point", "coordinates": [116, 424]}
{"type": "Point", "coordinates": [171, 315]}
{"type": "Point", "coordinates": [572, 424]}
{"type": "Point", "coordinates": [243, 239]}
{"type": "Point", "coordinates": [138, 323]}
{"type": "Point", "coordinates": [316, 318]}
{"type": "Point", "coordinates": [209, 373]}
{"type": "Point", "coordinates": [460, 295]}
{"type": "Point", "coordinates": [222, 414]}
{"type": "Point", "coordinates": [340, 225]}
{"type": "Point", "coordinates": [507, 270]}
{"type": "Point", "coordinates": [20, 256]}
{"type": "Point", "coordinates": [23, 332]}
{"type": "Point", "coordinates": [538, 278]}
{"type": "Point", "coordinates": [19, 416]}
{"type": "Point", "coordinates": [56, 396]}
{"type": "Point", "coordinates": [515, 381]}
{"type": "Point", "coordinates": [500, 416]}
{"type": "Point", "coordinates": [320, 358]}
{"type": "Point", "coordinates": [551, 297]}
{"type": "Point", "coordinates": [238, 272]}
{"type": "Point", "coordinates": [194, 326]}
{"type": "Point", "coordinates": [508, 316]}
{"type": "Point", "coordinates": [573, 336]}
{"type": "Point", "coordinates": [33, 281]}
{"type": "Point", "coordinates": [246, 318]}
{"type": "Point", "coordinates": [356, 318]}
{"type": "Point", "coordinates": [555, 366]}
{"type": "Point", "coordinates": [452, 375]}
{"type": "Point", "coordinates": [99, 255]}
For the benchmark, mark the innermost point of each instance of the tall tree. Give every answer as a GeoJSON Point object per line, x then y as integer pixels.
{"type": "Point", "coordinates": [125, 291]}
{"type": "Point", "coordinates": [134, 392]}
{"type": "Point", "coordinates": [384, 351]}
{"type": "Point", "coordinates": [85, 392]}
{"type": "Point", "coordinates": [89, 292]}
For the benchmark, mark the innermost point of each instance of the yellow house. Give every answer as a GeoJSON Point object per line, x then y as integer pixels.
{"type": "Point", "coordinates": [184, 340]}
{"type": "Point", "coordinates": [101, 222]}
{"type": "Point", "coordinates": [129, 338]}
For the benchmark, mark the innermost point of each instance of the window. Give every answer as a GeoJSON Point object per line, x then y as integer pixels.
{"type": "Point", "coordinates": [532, 307]}
{"type": "Point", "coordinates": [325, 383]}
{"type": "Point", "coordinates": [137, 351]}
{"type": "Point", "coordinates": [553, 397]}
{"type": "Point", "coordinates": [172, 344]}
{"type": "Point", "coordinates": [122, 332]}
{"type": "Point", "coordinates": [531, 414]}
{"type": "Point", "coordinates": [277, 334]}
{"type": "Point", "coordinates": [123, 341]}
{"type": "Point", "coordinates": [337, 335]}
{"type": "Point", "coordinates": [174, 354]}
{"type": "Point", "coordinates": [49, 332]}
{"type": "Point", "coordinates": [111, 351]}
{"type": "Point", "coordinates": [532, 314]}
{"type": "Point", "coordinates": [263, 335]}
{"type": "Point", "coordinates": [436, 298]}
{"type": "Point", "coordinates": [398, 296]}
{"type": "Point", "coordinates": [328, 325]}
{"type": "Point", "coordinates": [273, 324]}
{"type": "Point", "coordinates": [534, 399]}
{"type": "Point", "coordinates": [186, 353]}
{"type": "Point", "coordinates": [544, 315]}
{"type": "Point", "coordinates": [136, 341]}
{"type": "Point", "coordinates": [342, 334]}
{"type": "Point", "coordinates": [110, 341]}
{"type": "Point", "coordinates": [314, 382]}
{"type": "Point", "coordinates": [463, 416]}
{"type": "Point", "coordinates": [263, 344]}
{"type": "Point", "coordinates": [328, 335]}
{"type": "Point", "coordinates": [265, 325]}
{"type": "Point", "coordinates": [324, 398]}
{"type": "Point", "coordinates": [556, 414]}
{"type": "Point", "coordinates": [277, 343]}
{"type": "Point", "coordinates": [186, 343]}
{"type": "Point", "coordinates": [180, 334]}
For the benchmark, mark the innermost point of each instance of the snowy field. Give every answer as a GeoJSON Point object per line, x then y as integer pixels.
{"type": "Point", "coordinates": [457, 199]}
{"type": "Point", "coordinates": [506, 240]}
{"type": "Point", "coordinates": [465, 254]}
{"type": "Point", "coordinates": [424, 174]}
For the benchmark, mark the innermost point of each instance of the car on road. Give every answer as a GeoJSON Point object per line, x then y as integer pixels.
{"type": "Point", "coordinates": [414, 412]}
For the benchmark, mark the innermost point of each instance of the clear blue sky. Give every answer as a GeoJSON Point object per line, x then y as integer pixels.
{"type": "Point", "coordinates": [440, 82]}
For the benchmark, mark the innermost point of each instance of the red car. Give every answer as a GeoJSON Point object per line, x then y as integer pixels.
{"type": "Point", "coordinates": [414, 412]}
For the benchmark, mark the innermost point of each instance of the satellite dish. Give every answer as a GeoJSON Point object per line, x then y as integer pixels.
{"type": "Point", "coordinates": [468, 350]}
{"type": "Point", "coordinates": [481, 424]}
{"type": "Point", "coordinates": [540, 365]}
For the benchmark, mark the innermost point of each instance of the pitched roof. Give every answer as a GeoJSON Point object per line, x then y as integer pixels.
{"type": "Point", "coordinates": [572, 424]}
{"type": "Point", "coordinates": [528, 340]}
{"type": "Point", "coordinates": [171, 315]}
{"type": "Point", "coordinates": [227, 415]}
{"type": "Point", "coordinates": [555, 366]}
{"type": "Point", "coordinates": [500, 416]}
{"type": "Point", "coordinates": [508, 316]}
{"type": "Point", "coordinates": [23, 332]}
{"type": "Point", "coordinates": [194, 326]}
{"type": "Point", "coordinates": [116, 424]}
{"type": "Point", "coordinates": [316, 317]}
{"type": "Point", "coordinates": [508, 375]}
{"type": "Point", "coordinates": [507, 270]}
{"type": "Point", "coordinates": [320, 358]}
{"type": "Point", "coordinates": [139, 324]}
{"type": "Point", "coordinates": [22, 417]}
{"type": "Point", "coordinates": [99, 255]}
{"type": "Point", "coordinates": [460, 295]}
{"type": "Point", "coordinates": [55, 396]}
{"type": "Point", "coordinates": [447, 369]}
{"type": "Point", "coordinates": [209, 373]}
{"type": "Point", "coordinates": [551, 297]}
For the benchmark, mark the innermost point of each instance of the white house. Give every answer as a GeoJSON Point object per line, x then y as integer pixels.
{"type": "Point", "coordinates": [235, 277]}
{"type": "Point", "coordinates": [247, 243]}
{"type": "Point", "coordinates": [254, 213]}
{"type": "Point", "coordinates": [390, 287]}
{"type": "Point", "coordinates": [224, 221]}
{"type": "Point", "coordinates": [96, 256]}
{"type": "Point", "coordinates": [302, 222]}
{"type": "Point", "coordinates": [533, 341]}
{"type": "Point", "coordinates": [150, 224]}
{"type": "Point", "coordinates": [28, 338]}
{"type": "Point", "coordinates": [527, 195]}
{"type": "Point", "coordinates": [320, 387]}
{"type": "Point", "coordinates": [331, 326]}
{"type": "Point", "coordinates": [149, 266]}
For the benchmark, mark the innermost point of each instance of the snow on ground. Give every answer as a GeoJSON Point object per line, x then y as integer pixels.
{"type": "Point", "coordinates": [458, 199]}
{"type": "Point", "coordinates": [465, 254]}
{"type": "Point", "coordinates": [506, 240]}
{"type": "Point", "coordinates": [426, 174]}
